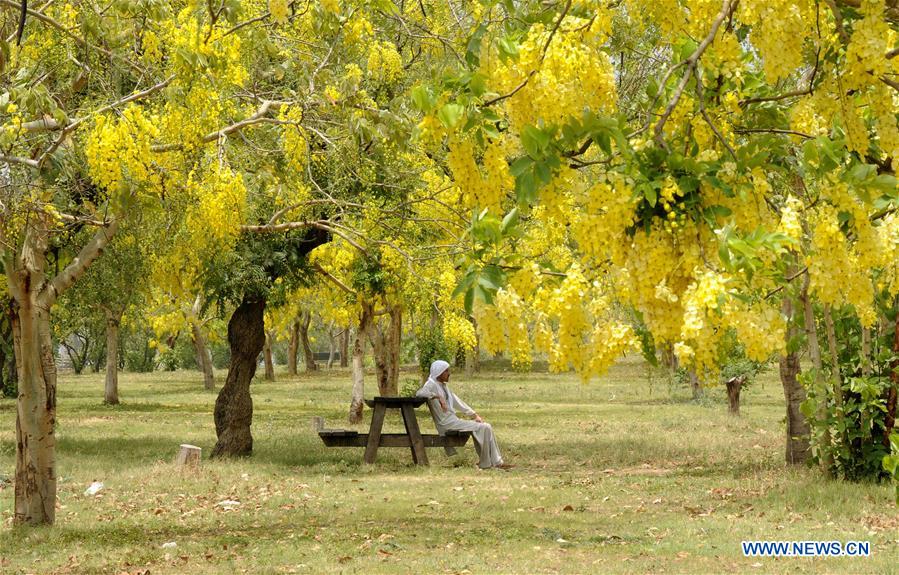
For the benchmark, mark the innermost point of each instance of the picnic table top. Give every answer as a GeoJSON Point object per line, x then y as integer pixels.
{"type": "Point", "coordinates": [396, 401]}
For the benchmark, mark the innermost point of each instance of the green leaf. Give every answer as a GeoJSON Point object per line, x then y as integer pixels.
{"type": "Point", "coordinates": [473, 49]}
{"type": "Point", "coordinates": [526, 188]}
{"type": "Point", "coordinates": [423, 99]}
{"type": "Point", "coordinates": [510, 221]}
{"type": "Point", "coordinates": [449, 114]}
{"type": "Point", "coordinates": [521, 165]}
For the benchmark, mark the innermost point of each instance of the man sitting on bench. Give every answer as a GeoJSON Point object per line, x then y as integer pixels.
{"type": "Point", "coordinates": [444, 403]}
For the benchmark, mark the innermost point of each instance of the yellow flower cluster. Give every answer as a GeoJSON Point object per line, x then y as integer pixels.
{"type": "Point", "coordinates": [151, 47]}
{"type": "Point", "coordinates": [199, 53]}
{"type": "Point", "coordinates": [610, 340]}
{"type": "Point", "coordinates": [526, 280]}
{"type": "Point", "coordinates": [118, 151]}
{"type": "Point", "coordinates": [725, 57]}
{"type": "Point", "coordinates": [458, 332]}
{"type": "Point", "coordinates": [332, 6]}
{"type": "Point", "coordinates": [574, 74]}
{"type": "Point", "coordinates": [790, 223]}
{"type": "Point", "coordinates": [490, 328]}
{"type": "Point", "coordinates": [760, 328]}
{"type": "Point", "coordinates": [779, 30]}
{"type": "Point", "coordinates": [866, 54]}
{"type": "Point", "coordinates": [703, 307]}
{"type": "Point", "coordinates": [278, 10]}
{"type": "Point", "coordinates": [218, 211]}
{"type": "Point", "coordinates": [294, 141]}
{"type": "Point", "coordinates": [189, 120]}
{"type": "Point", "coordinates": [511, 310]}
{"type": "Point", "coordinates": [654, 289]}
{"type": "Point", "coordinates": [567, 305]}
{"type": "Point", "coordinates": [805, 119]}
{"type": "Point", "coordinates": [384, 63]}
{"type": "Point", "coordinates": [600, 227]}
{"type": "Point", "coordinates": [667, 15]}
{"type": "Point", "coordinates": [883, 107]}
{"type": "Point", "coordinates": [835, 273]}
{"type": "Point", "coordinates": [479, 191]}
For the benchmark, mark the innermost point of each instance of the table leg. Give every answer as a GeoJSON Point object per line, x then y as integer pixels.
{"type": "Point", "coordinates": [374, 433]}
{"type": "Point", "coordinates": [419, 456]}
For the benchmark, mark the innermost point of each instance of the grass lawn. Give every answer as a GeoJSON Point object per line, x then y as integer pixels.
{"type": "Point", "coordinates": [618, 476]}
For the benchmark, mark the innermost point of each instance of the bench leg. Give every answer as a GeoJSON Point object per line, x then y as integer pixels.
{"type": "Point", "coordinates": [374, 435]}
{"type": "Point", "coordinates": [419, 456]}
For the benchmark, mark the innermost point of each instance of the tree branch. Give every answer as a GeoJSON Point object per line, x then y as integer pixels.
{"type": "Point", "coordinates": [90, 252]}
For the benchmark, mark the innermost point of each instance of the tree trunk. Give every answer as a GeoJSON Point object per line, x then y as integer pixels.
{"type": "Point", "coordinates": [797, 445]}
{"type": "Point", "coordinates": [267, 358]}
{"type": "Point", "coordinates": [356, 401]}
{"type": "Point", "coordinates": [331, 348]}
{"type": "Point", "coordinates": [385, 343]}
{"type": "Point", "coordinates": [889, 418]}
{"type": "Point", "coordinates": [98, 359]}
{"type": "Point", "coordinates": [814, 352]}
{"type": "Point", "coordinates": [204, 356]}
{"type": "Point", "coordinates": [293, 348]}
{"type": "Point", "coordinates": [35, 490]}
{"type": "Point", "coordinates": [34, 294]}
{"type": "Point", "coordinates": [308, 356]}
{"type": "Point", "coordinates": [395, 342]}
{"type": "Point", "coordinates": [234, 405]}
{"type": "Point", "coordinates": [111, 394]}
{"type": "Point", "coordinates": [345, 347]}
{"type": "Point", "coordinates": [694, 384]}
{"type": "Point", "coordinates": [734, 386]}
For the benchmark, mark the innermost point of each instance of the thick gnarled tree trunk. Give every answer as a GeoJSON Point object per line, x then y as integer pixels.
{"type": "Point", "coordinates": [234, 405]}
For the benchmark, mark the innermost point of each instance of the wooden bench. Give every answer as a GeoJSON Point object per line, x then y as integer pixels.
{"type": "Point", "coordinates": [412, 439]}
{"type": "Point", "coordinates": [349, 438]}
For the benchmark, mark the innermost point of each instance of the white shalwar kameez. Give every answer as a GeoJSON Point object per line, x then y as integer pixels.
{"type": "Point", "coordinates": [482, 433]}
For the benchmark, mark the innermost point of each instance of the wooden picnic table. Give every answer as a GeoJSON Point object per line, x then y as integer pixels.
{"type": "Point", "coordinates": [374, 439]}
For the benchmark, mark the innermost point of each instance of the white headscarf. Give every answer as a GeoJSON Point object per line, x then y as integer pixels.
{"type": "Point", "coordinates": [437, 369]}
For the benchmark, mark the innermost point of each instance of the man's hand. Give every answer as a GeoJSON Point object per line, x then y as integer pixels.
{"type": "Point", "coordinates": [442, 403]}
{"type": "Point", "coordinates": [478, 418]}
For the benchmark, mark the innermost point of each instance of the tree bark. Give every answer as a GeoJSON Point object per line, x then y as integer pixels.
{"type": "Point", "coordinates": [234, 405]}
{"type": "Point", "coordinates": [35, 491]}
{"type": "Point", "coordinates": [111, 393]}
{"type": "Point", "coordinates": [293, 347]}
{"type": "Point", "coordinates": [345, 347]}
{"type": "Point", "coordinates": [308, 355]}
{"type": "Point", "coordinates": [734, 386]}
{"type": "Point", "coordinates": [204, 355]}
{"type": "Point", "coordinates": [385, 341]}
{"type": "Point", "coordinates": [356, 401]}
{"type": "Point", "coordinates": [34, 294]}
{"type": "Point", "coordinates": [694, 384]}
{"type": "Point", "coordinates": [267, 358]}
{"type": "Point", "coordinates": [889, 417]}
{"type": "Point", "coordinates": [797, 444]}
{"type": "Point", "coordinates": [331, 348]}
{"type": "Point", "coordinates": [814, 352]}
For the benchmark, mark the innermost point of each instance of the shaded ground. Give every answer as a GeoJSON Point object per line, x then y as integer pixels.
{"type": "Point", "coordinates": [616, 477]}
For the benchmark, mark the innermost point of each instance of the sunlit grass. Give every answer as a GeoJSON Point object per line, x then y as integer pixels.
{"type": "Point", "coordinates": [613, 477]}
